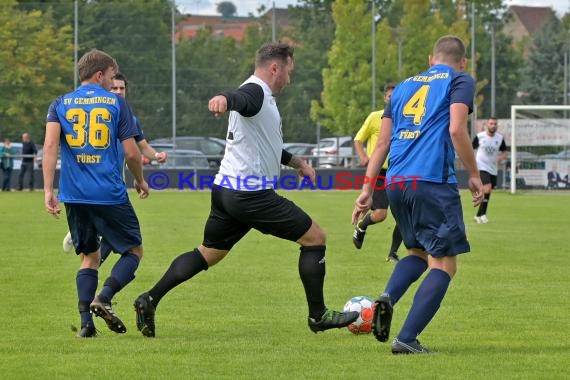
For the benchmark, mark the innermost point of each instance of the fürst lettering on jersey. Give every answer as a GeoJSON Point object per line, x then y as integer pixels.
{"type": "Point", "coordinates": [409, 134]}
{"type": "Point", "coordinates": [83, 158]}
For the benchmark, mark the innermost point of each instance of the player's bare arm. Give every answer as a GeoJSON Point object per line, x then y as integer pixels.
{"type": "Point", "coordinates": [150, 153]}
{"type": "Point", "coordinates": [303, 170]}
{"type": "Point", "coordinates": [133, 158]}
{"type": "Point", "coordinates": [464, 149]}
{"type": "Point", "coordinates": [364, 200]}
{"type": "Point", "coordinates": [359, 147]}
{"type": "Point", "coordinates": [51, 147]}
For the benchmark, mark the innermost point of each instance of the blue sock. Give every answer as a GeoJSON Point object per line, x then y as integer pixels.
{"type": "Point", "coordinates": [122, 273]}
{"type": "Point", "coordinates": [406, 272]}
{"type": "Point", "coordinates": [86, 286]}
{"type": "Point", "coordinates": [426, 303]}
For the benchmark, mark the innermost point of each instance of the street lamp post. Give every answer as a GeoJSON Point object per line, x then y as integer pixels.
{"type": "Point", "coordinates": [375, 20]}
{"type": "Point", "coordinates": [373, 57]}
{"type": "Point", "coordinates": [493, 100]}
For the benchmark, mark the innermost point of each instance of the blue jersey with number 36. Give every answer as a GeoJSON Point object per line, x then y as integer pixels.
{"type": "Point", "coordinates": [419, 108]}
{"type": "Point", "coordinates": [93, 123]}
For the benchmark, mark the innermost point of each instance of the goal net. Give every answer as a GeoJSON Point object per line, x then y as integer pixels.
{"type": "Point", "coordinates": [538, 137]}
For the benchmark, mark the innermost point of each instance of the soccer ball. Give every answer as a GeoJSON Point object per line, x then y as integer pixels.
{"type": "Point", "coordinates": [364, 305]}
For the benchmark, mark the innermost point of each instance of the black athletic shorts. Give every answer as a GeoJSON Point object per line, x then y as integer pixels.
{"type": "Point", "coordinates": [117, 223]}
{"type": "Point", "coordinates": [379, 197]}
{"type": "Point", "coordinates": [488, 178]}
{"type": "Point", "coordinates": [233, 213]}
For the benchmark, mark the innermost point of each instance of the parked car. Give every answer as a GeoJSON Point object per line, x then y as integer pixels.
{"type": "Point", "coordinates": [212, 147]}
{"type": "Point", "coordinates": [302, 150]}
{"type": "Point", "coordinates": [181, 158]}
{"type": "Point", "coordinates": [334, 151]}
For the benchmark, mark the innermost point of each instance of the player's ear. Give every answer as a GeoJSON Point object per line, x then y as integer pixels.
{"type": "Point", "coordinates": [99, 76]}
{"type": "Point", "coordinates": [463, 63]}
{"type": "Point", "coordinates": [273, 67]}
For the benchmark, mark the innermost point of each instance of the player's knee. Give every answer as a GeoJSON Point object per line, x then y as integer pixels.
{"type": "Point", "coordinates": [91, 260]}
{"type": "Point", "coordinates": [314, 236]}
{"type": "Point", "coordinates": [138, 250]}
{"type": "Point", "coordinates": [212, 256]}
{"type": "Point", "coordinates": [379, 215]}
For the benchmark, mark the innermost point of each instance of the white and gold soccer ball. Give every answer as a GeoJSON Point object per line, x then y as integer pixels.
{"type": "Point", "coordinates": [365, 307]}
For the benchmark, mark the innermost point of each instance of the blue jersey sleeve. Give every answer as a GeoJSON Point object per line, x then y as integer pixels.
{"type": "Point", "coordinates": [127, 127]}
{"type": "Point", "coordinates": [52, 111]}
{"type": "Point", "coordinates": [463, 90]}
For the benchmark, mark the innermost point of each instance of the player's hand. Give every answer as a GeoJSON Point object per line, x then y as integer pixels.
{"type": "Point", "coordinates": [476, 188]}
{"type": "Point", "coordinates": [161, 157]}
{"type": "Point", "coordinates": [218, 105]}
{"type": "Point", "coordinates": [52, 204]}
{"type": "Point", "coordinates": [307, 171]}
{"type": "Point", "coordinates": [364, 161]}
{"type": "Point", "coordinates": [361, 206]}
{"type": "Point", "coordinates": [142, 189]}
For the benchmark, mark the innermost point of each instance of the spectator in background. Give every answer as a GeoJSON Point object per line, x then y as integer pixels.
{"type": "Point", "coordinates": [553, 178]}
{"type": "Point", "coordinates": [7, 163]}
{"type": "Point", "coordinates": [29, 152]}
{"type": "Point", "coordinates": [567, 178]}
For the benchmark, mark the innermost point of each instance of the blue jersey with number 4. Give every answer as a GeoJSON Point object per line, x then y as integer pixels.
{"type": "Point", "coordinates": [93, 123]}
{"type": "Point", "coordinates": [421, 144]}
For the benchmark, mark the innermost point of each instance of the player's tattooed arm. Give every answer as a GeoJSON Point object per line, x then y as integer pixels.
{"type": "Point", "coordinates": [296, 162]}
{"type": "Point", "coordinates": [303, 169]}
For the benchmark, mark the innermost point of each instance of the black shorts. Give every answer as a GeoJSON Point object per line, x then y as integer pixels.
{"type": "Point", "coordinates": [379, 197]}
{"type": "Point", "coordinates": [117, 223]}
{"type": "Point", "coordinates": [488, 178]}
{"type": "Point", "coordinates": [233, 213]}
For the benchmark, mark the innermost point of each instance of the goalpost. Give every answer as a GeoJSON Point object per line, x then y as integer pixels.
{"type": "Point", "coordinates": [544, 133]}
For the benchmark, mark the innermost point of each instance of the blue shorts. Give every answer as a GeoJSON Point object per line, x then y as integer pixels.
{"type": "Point", "coordinates": [430, 217]}
{"type": "Point", "coordinates": [117, 223]}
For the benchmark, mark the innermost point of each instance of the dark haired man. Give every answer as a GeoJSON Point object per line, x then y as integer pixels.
{"type": "Point", "coordinates": [491, 149]}
{"type": "Point", "coordinates": [243, 196]}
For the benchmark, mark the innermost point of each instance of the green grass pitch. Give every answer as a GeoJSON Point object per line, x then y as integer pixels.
{"type": "Point", "coordinates": [506, 315]}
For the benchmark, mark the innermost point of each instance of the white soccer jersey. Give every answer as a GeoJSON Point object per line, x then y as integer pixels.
{"type": "Point", "coordinates": [253, 147]}
{"type": "Point", "coordinates": [488, 149]}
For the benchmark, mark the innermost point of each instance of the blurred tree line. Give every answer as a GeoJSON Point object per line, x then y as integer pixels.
{"type": "Point", "coordinates": [332, 83]}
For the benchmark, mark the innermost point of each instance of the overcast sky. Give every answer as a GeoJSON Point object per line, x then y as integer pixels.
{"type": "Point", "coordinates": [244, 7]}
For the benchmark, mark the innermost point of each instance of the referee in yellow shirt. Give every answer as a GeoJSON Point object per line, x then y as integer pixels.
{"type": "Point", "coordinates": [369, 133]}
